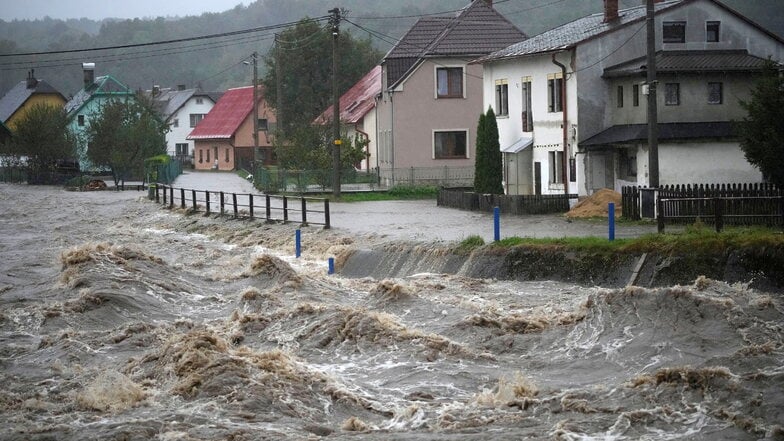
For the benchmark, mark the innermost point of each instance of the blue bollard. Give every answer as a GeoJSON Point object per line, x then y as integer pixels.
{"type": "Point", "coordinates": [496, 224]}
{"type": "Point", "coordinates": [331, 263]}
{"type": "Point", "coordinates": [298, 243]}
{"type": "Point", "coordinates": [611, 219]}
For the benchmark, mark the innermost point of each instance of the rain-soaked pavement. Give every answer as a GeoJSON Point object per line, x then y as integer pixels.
{"type": "Point", "coordinates": [422, 220]}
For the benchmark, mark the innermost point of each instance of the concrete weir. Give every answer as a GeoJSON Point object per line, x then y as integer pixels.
{"type": "Point", "coordinates": [759, 267]}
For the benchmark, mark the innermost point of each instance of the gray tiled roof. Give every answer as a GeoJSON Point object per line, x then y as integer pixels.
{"type": "Point", "coordinates": [573, 33]}
{"type": "Point", "coordinates": [629, 133]}
{"type": "Point", "coordinates": [105, 85]}
{"type": "Point", "coordinates": [17, 96]}
{"type": "Point", "coordinates": [475, 30]}
{"type": "Point", "coordinates": [690, 61]}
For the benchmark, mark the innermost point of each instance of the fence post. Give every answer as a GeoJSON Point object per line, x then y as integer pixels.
{"type": "Point", "coordinates": [718, 210]}
{"type": "Point", "coordinates": [660, 215]}
{"type": "Point", "coordinates": [171, 197]}
{"type": "Point", "coordinates": [304, 212]}
{"type": "Point", "coordinates": [250, 205]}
{"type": "Point", "coordinates": [164, 195]}
{"type": "Point", "coordinates": [234, 201]}
{"type": "Point", "coordinates": [193, 198]}
{"type": "Point", "coordinates": [611, 220]}
{"type": "Point", "coordinates": [326, 213]}
{"type": "Point", "coordinates": [297, 243]}
{"type": "Point", "coordinates": [157, 194]}
{"type": "Point", "coordinates": [222, 204]}
{"type": "Point", "coordinates": [207, 199]}
{"type": "Point", "coordinates": [285, 209]}
{"type": "Point", "coordinates": [268, 208]}
{"type": "Point", "coordinates": [182, 198]}
{"type": "Point", "coordinates": [496, 224]}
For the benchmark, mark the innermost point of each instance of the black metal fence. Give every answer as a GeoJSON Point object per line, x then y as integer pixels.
{"type": "Point", "coordinates": [465, 199]}
{"type": "Point", "coordinates": [271, 208]}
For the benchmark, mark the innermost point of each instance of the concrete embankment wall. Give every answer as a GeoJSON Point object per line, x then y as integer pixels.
{"type": "Point", "coordinates": [763, 268]}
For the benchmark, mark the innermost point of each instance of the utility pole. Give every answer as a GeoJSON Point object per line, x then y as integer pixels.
{"type": "Point", "coordinates": [278, 85]}
{"type": "Point", "coordinates": [255, 108]}
{"type": "Point", "coordinates": [335, 21]}
{"type": "Point", "coordinates": [653, 129]}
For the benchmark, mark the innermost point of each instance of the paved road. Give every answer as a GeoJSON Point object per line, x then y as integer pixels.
{"type": "Point", "coordinates": [422, 220]}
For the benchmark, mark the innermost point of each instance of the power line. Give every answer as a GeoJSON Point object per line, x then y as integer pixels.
{"type": "Point", "coordinates": [419, 15]}
{"type": "Point", "coordinates": [155, 43]}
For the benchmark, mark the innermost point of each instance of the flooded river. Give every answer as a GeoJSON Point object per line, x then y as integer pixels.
{"type": "Point", "coordinates": [121, 320]}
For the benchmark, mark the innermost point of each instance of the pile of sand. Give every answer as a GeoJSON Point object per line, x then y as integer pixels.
{"type": "Point", "coordinates": [596, 204]}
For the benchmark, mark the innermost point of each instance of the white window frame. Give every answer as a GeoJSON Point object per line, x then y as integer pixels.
{"type": "Point", "coordinates": [435, 80]}
{"type": "Point", "coordinates": [502, 98]}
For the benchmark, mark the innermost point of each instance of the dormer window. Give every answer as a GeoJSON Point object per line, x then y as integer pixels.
{"type": "Point", "coordinates": [674, 32]}
{"type": "Point", "coordinates": [712, 31]}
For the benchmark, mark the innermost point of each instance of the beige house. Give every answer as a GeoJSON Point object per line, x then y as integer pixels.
{"type": "Point", "coordinates": [431, 96]}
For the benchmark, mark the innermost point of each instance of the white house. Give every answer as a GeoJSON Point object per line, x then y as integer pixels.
{"type": "Point", "coordinates": [182, 109]}
{"type": "Point", "coordinates": [572, 114]}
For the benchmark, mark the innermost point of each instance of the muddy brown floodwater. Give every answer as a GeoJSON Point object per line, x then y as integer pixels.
{"type": "Point", "coordinates": [123, 320]}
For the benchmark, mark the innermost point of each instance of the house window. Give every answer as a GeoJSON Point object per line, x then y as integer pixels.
{"type": "Point", "coordinates": [450, 145]}
{"type": "Point", "coordinates": [627, 163]}
{"type": "Point", "coordinates": [449, 82]}
{"type": "Point", "coordinates": [215, 150]}
{"type": "Point", "coordinates": [502, 98]}
{"type": "Point", "coordinates": [227, 155]}
{"type": "Point", "coordinates": [620, 96]}
{"type": "Point", "coordinates": [176, 122]}
{"type": "Point", "coordinates": [181, 149]}
{"type": "Point", "coordinates": [199, 101]}
{"type": "Point", "coordinates": [715, 93]}
{"type": "Point", "coordinates": [196, 118]}
{"type": "Point", "coordinates": [572, 170]}
{"type": "Point", "coordinates": [672, 94]}
{"type": "Point", "coordinates": [636, 95]}
{"type": "Point", "coordinates": [80, 120]}
{"type": "Point", "coordinates": [528, 119]}
{"type": "Point", "coordinates": [201, 156]}
{"type": "Point", "coordinates": [674, 32]}
{"type": "Point", "coordinates": [208, 155]}
{"type": "Point", "coordinates": [556, 167]}
{"type": "Point", "coordinates": [712, 31]}
{"type": "Point", "coordinates": [263, 124]}
{"type": "Point", "coordinates": [555, 94]}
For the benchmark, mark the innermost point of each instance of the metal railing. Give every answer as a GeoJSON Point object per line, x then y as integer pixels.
{"type": "Point", "coordinates": [306, 211]}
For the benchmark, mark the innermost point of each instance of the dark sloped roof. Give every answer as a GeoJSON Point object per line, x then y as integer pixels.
{"type": "Point", "coordinates": [573, 33]}
{"type": "Point", "coordinates": [629, 133]}
{"type": "Point", "coordinates": [475, 30]}
{"type": "Point", "coordinates": [168, 102]}
{"type": "Point", "coordinates": [16, 97]}
{"type": "Point", "coordinates": [357, 101]}
{"type": "Point", "coordinates": [690, 61]}
{"type": "Point", "coordinates": [226, 115]}
{"type": "Point", "coordinates": [104, 85]}
{"type": "Point", "coordinates": [5, 132]}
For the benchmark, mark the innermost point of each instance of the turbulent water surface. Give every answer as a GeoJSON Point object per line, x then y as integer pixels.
{"type": "Point", "coordinates": [122, 320]}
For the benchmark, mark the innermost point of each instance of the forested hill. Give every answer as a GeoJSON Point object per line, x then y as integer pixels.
{"type": "Point", "coordinates": [217, 64]}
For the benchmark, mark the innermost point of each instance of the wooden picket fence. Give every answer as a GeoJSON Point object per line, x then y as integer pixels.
{"type": "Point", "coordinates": [719, 204]}
{"type": "Point", "coordinates": [464, 199]}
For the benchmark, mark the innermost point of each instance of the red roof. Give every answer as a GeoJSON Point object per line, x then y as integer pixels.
{"type": "Point", "coordinates": [226, 115]}
{"type": "Point", "coordinates": [357, 101]}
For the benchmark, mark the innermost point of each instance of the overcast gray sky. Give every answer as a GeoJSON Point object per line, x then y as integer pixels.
{"type": "Point", "coordinates": [98, 9]}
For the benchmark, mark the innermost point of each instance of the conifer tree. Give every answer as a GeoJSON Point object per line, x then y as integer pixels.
{"type": "Point", "coordinates": [479, 167]}
{"type": "Point", "coordinates": [488, 175]}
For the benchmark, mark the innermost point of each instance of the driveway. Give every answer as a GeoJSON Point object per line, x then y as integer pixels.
{"type": "Point", "coordinates": [422, 220]}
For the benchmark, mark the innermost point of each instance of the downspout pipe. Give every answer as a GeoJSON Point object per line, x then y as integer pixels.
{"type": "Point", "coordinates": [564, 125]}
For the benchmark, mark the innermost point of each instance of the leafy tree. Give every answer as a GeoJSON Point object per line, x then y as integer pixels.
{"type": "Point", "coordinates": [488, 175]}
{"type": "Point", "coordinates": [306, 70]}
{"type": "Point", "coordinates": [43, 137]}
{"type": "Point", "coordinates": [126, 133]}
{"type": "Point", "coordinates": [309, 148]}
{"type": "Point", "coordinates": [762, 130]}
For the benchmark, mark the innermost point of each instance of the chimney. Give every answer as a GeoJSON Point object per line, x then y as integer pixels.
{"type": "Point", "coordinates": [156, 90]}
{"type": "Point", "coordinates": [89, 73]}
{"type": "Point", "coordinates": [489, 3]}
{"type": "Point", "coordinates": [180, 87]}
{"type": "Point", "coordinates": [31, 81]}
{"type": "Point", "coordinates": [610, 10]}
